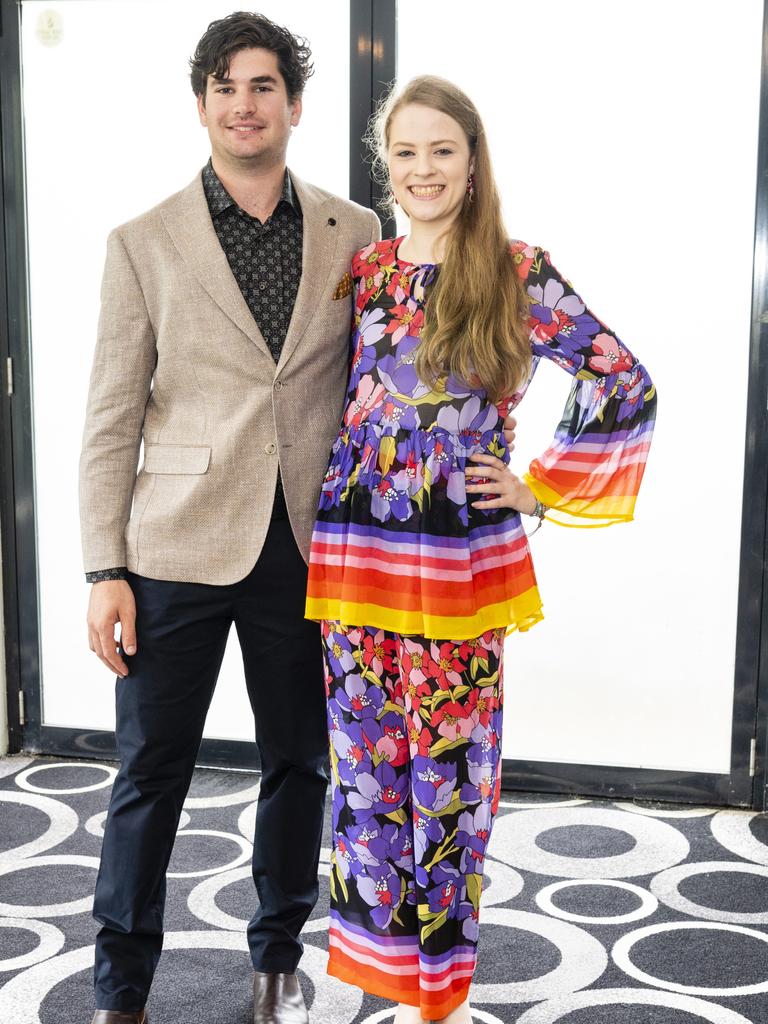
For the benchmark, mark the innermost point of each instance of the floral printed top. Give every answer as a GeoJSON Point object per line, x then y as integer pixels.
{"type": "Point", "coordinates": [396, 544]}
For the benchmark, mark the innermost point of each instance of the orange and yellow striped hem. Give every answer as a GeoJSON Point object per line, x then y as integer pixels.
{"type": "Point", "coordinates": [522, 613]}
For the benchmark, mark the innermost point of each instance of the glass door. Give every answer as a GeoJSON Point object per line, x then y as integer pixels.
{"type": "Point", "coordinates": [111, 129]}
{"type": "Point", "coordinates": [619, 149]}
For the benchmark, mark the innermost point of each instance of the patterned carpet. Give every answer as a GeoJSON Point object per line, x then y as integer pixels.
{"type": "Point", "coordinates": [595, 912]}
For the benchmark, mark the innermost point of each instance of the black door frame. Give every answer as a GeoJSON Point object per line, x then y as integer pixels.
{"type": "Point", "coordinates": [750, 708]}
{"type": "Point", "coordinates": [17, 509]}
{"type": "Point", "coordinates": [372, 67]}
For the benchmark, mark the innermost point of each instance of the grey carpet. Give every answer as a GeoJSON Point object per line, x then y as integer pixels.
{"type": "Point", "coordinates": [594, 912]}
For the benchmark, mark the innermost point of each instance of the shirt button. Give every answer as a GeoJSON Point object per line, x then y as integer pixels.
{"type": "Point", "coordinates": [270, 448]}
{"type": "Point", "coordinates": [278, 385]}
{"type": "Point", "coordinates": [262, 285]}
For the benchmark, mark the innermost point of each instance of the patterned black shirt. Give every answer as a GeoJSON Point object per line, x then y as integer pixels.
{"type": "Point", "coordinates": [265, 260]}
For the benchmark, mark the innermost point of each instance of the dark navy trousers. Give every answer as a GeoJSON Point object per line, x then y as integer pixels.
{"type": "Point", "coordinates": [182, 632]}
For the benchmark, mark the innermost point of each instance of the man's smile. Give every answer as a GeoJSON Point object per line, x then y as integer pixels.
{"type": "Point", "coordinates": [246, 129]}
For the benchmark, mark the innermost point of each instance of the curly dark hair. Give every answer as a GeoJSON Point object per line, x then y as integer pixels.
{"type": "Point", "coordinates": [241, 31]}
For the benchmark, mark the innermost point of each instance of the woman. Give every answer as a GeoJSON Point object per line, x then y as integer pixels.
{"type": "Point", "coordinates": [420, 562]}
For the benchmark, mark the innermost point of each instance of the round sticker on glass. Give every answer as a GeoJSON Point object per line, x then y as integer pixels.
{"type": "Point", "coordinates": [50, 28]}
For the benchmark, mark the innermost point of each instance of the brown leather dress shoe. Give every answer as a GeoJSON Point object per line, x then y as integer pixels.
{"type": "Point", "coordinates": [277, 999]}
{"type": "Point", "coordinates": [120, 1017]}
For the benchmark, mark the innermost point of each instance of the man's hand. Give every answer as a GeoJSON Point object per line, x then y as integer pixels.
{"type": "Point", "coordinates": [509, 430]}
{"type": "Point", "coordinates": [112, 601]}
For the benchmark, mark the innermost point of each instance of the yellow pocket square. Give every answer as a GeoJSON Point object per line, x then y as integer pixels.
{"type": "Point", "coordinates": [344, 287]}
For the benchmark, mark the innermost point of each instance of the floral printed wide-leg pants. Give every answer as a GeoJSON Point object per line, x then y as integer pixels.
{"type": "Point", "coordinates": [415, 737]}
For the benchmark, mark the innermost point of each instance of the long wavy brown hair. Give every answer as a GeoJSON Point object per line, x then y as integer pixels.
{"type": "Point", "coordinates": [476, 311]}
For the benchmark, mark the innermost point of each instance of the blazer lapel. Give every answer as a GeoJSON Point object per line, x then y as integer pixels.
{"type": "Point", "coordinates": [188, 222]}
{"type": "Point", "coordinates": [317, 256]}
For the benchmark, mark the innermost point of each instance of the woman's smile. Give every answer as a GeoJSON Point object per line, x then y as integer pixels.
{"type": "Point", "coordinates": [426, 191]}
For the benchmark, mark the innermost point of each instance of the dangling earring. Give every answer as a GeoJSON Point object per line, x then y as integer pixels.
{"type": "Point", "coordinates": [471, 186]}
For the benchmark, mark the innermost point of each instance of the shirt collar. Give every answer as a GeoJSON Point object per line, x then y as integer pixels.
{"type": "Point", "coordinates": [219, 199]}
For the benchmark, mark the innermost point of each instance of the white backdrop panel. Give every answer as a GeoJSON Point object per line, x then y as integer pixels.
{"type": "Point", "coordinates": [617, 148]}
{"type": "Point", "coordinates": [624, 139]}
{"type": "Point", "coordinates": [112, 129]}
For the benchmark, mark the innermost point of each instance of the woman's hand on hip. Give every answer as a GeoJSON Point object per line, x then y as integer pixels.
{"type": "Point", "coordinates": [494, 478]}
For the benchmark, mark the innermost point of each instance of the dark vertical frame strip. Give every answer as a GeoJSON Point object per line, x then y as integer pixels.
{"type": "Point", "coordinates": [7, 509]}
{"type": "Point", "coordinates": [18, 504]}
{"type": "Point", "coordinates": [372, 68]}
{"type": "Point", "coordinates": [384, 72]}
{"type": "Point", "coordinates": [752, 632]}
{"type": "Point", "coordinates": [360, 78]}
{"type": "Point", "coordinates": [8, 78]}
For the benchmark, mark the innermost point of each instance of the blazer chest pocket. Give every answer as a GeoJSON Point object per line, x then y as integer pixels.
{"type": "Point", "coordinates": [176, 458]}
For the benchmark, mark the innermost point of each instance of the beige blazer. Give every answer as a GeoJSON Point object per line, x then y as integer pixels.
{"type": "Point", "coordinates": [181, 366]}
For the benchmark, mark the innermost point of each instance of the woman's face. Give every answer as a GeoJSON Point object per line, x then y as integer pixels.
{"type": "Point", "coordinates": [429, 161]}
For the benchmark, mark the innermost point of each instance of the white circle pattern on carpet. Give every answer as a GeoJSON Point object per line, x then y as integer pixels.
{"type": "Point", "coordinates": [594, 912]}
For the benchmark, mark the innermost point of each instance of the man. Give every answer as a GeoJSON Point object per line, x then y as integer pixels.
{"type": "Point", "coordinates": [223, 346]}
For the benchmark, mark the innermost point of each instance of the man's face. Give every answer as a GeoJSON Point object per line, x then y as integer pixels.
{"type": "Point", "coordinates": [249, 115]}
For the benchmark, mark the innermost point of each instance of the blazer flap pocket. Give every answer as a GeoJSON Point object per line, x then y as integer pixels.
{"type": "Point", "coordinates": [176, 458]}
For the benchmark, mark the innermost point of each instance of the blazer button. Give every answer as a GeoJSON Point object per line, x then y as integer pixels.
{"type": "Point", "coordinates": [278, 385]}
{"type": "Point", "coordinates": [270, 448]}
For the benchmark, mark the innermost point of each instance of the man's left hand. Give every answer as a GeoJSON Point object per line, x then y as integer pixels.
{"type": "Point", "coordinates": [509, 430]}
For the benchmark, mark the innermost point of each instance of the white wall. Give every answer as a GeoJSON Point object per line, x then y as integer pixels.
{"type": "Point", "coordinates": [111, 129]}
{"type": "Point", "coordinates": [624, 139]}
{"type": "Point", "coordinates": [625, 143]}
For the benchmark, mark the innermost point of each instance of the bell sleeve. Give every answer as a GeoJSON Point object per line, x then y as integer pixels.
{"type": "Point", "coordinates": [590, 474]}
